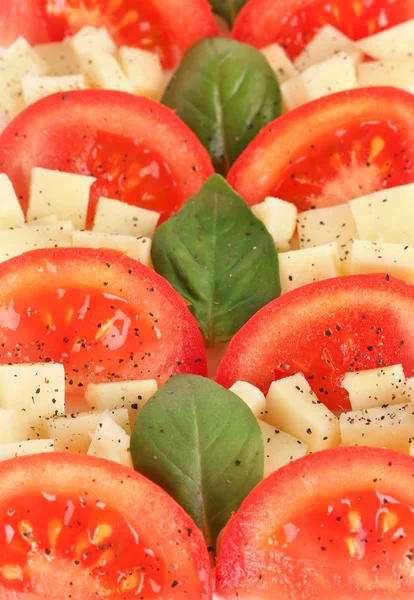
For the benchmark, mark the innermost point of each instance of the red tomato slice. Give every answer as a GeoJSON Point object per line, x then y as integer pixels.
{"type": "Point", "coordinates": [324, 330]}
{"type": "Point", "coordinates": [335, 524]}
{"type": "Point", "coordinates": [104, 316]}
{"type": "Point", "coordinates": [293, 23]}
{"type": "Point", "coordinates": [73, 526]}
{"type": "Point", "coordinates": [138, 150]}
{"type": "Point", "coordinates": [331, 150]}
{"type": "Point", "coordinates": [167, 27]}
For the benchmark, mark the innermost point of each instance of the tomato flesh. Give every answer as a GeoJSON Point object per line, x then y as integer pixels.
{"type": "Point", "coordinates": [348, 163]}
{"type": "Point", "coordinates": [41, 528]}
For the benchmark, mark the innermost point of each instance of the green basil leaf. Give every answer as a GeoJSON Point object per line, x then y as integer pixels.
{"type": "Point", "coordinates": [228, 9]}
{"type": "Point", "coordinates": [202, 445]}
{"type": "Point", "coordinates": [226, 93]}
{"type": "Point", "coordinates": [220, 258]}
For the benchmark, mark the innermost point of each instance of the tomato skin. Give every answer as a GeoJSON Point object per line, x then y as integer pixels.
{"type": "Point", "coordinates": [249, 567]}
{"type": "Point", "coordinates": [154, 513]}
{"type": "Point", "coordinates": [58, 132]}
{"type": "Point", "coordinates": [259, 169]}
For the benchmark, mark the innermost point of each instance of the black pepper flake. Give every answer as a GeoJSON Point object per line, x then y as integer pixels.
{"type": "Point", "coordinates": [174, 583]}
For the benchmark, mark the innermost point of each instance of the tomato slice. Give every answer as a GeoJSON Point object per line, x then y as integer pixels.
{"type": "Point", "coordinates": [167, 27]}
{"type": "Point", "coordinates": [331, 150]}
{"type": "Point", "coordinates": [305, 532]}
{"type": "Point", "coordinates": [324, 330]}
{"type": "Point", "coordinates": [138, 150]}
{"type": "Point", "coordinates": [293, 23]}
{"type": "Point", "coordinates": [73, 526]}
{"type": "Point", "coordinates": [104, 316]}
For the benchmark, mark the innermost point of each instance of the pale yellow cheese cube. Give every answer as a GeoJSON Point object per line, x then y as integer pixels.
{"type": "Point", "coordinates": [113, 216]}
{"type": "Point", "coordinates": [35, 87]}
{"type": "Point", "coordinates": [336, 74]}
{"type": "Point", "coordinates": [308, 265]}
{"type": "Point", "coordinates": [252, 396]}
{"type": "Point", "coordinates": [65, 195]}
{"type": "Point", "coordinates": [387, 215]}
{"type": "Point", "coordinates": [132, 395]}
{"type": "Point", "coordinates": [11, 214]}
{"type": "Point", "coordinates": [382, 257]}
{"type": "Point", "coordinates": [60, 58]}
{"type": "Point", "coordinates": [281, 64]}
{"type": "Point", "coordinates": [25, 448]}
{"type": "Point", "coordinates": [388, 72]}
{"type": "Point", "coordinates": [293, 93]}
{"type": "Point", "coordinates": [110, 441]}
{"type": "Point", "coordinates": [43, 221]}
{"type": "Point", "coordinates": [395, 43]}
{"type": "Point", "coordinates": [280, 448]}
{"type": "Point", "coordinates": [279, 218]}
{"type": "Point", "coordinates": [383, 427]}
{"type": "Point", "coordinates": [14, 242]}
{"type": "Point", "coordinates": [144, 71]}
{"type": "Point", "coordinates": [327, 42]}
{"type": "Point", "coordinates": [103, 71]}
{"type": "Point", "coordinates": [409, 390]}
{"type": "Point", "coordinates": [92, 39]}
{"type": "Point", "coordinates": [138, 248]}
{"type": "Point", "coordinates": [293, 407]}
{"type": "Point", "coordinates": [375, 387]}
{"type": "Point", "coordinates": [14, 426]}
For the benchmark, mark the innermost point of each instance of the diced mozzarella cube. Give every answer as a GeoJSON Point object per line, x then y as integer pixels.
{"type": "Point", "coordinates": [72, 432]}
{"type": "Point", "coordinates": [293, 407]}
{"type": "Point", "coordinates": [144, 71]}
{"type": "Point", "coordinates": [60, 58]}
{"type": "Point", "coordinates": [114, 216]}
{"type": "Point", "coordinates": [132, 395]}
{"type": "Point", "coordinates": [110, 441]}
{"type": "Point", "coordinates": [409, 390]}
{"type": "Point", "coordinates": [327, 42]}
{"type": "Point", "coordinates": [280, 448]}
{"type": "Point", "coordinates": [387, 215]}
{"type": "Point", "coordinates": [14, 449]}
{"type": "Point", "coordinates": [281, 64]}
{"type": "Point", "coordinates": [11, 214]}
{"type": "Point", "coordinates": [375, 387]}
{"type": "Point", "coordinates": [336, 74]}
{"type": "Point", "coordinates": [65, 195]}
{"type": "Point", "coordinates": [381, 257]}
{"type": "Point", "coordinates": [44, 221]}
{"type": "Point", "coordinates": [138, 248]}
{"type": "Point", "coordinates": [279, 218]}
{"type": "Point", "coordinates": [252, 396]}
{"type": "Point", "coordinates": [395, 43]}
{"type": "Point", "coordinates": [14, 242]}
{"type": "Point", "coordinates": [385, 427]}
{"type": "Point", "coordinates": [104, 71]}
{"type": "Point", "coordinates": [397, 73]}
{"type": "Point", "coordinates": [92, 39]}
{"type": "Point", "coordinates": [14, 426]}
{"type": "Point", "coordinates": [293, 93]}
{"type": "Point", "coordinates": [35, 87]}
{"type": "Point", "coordinates": [300, 267]}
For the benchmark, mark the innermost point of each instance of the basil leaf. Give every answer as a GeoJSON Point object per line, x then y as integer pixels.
{"type": "Point", "coordinates": [220, 258]}
{"type": "Point", "coordinates": [228, 9]}
{"type": "Point", "coordinates": [202, 445]}
{"type": "Point", "coordinates": [225, 92]}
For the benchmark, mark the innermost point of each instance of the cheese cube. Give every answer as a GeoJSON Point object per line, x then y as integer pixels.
{"type": "Point", "coordinates": [336, 74]}
{"type": "Point", "coordinates": [281, 64]}
{"type": "Point", "coordinates": [71, 432]}
{"type": "Point", "coordinates": [138, 248]}
{"type": "Point", "coordinates": [19, 60]}
{"type": "Point", "coordinates": [110, 441]}
{"type": "Point", "coordinates": [60, 58]}
{"type": "Point", "coordinates": [380, 257]}
{"type": "Point", "coordinates": [144, 71]}
{"type": "Point", "coordinates": [279, 218]}
{"type": "Point", "coordinates": [92, 39]}
{"type": "Point", "coordinates": [293, 407]}
{"type": "Point", "coordinates": [103, 71]}
{"type": "Point", "coordinates": [15, 449]}
{"type": "Point", "coordinates": [301, 267]}
{"type": "Point", "coordinates": [14, 426]}
{"type": "Point", "coordinates": [132, 395]}
{"type": "Point", "coordinates": [396, 73]}
{"type": "Point", "coordinates": [4, 120]}
{"type": "Point", "coordinates": [395, 43]}
{"type": "Point", "coordinates": [327, 42]}
{"type": "Point", "coordinates": [333, 224]}
{"type": "Point", "coordinates": [252, 396]}
{"type": "Point", "coordinates": [35, 87]}
{"type": "Point", "coordinates": [44, 221]}
{"type": "Point", "coordinates": [113, 216]}
{"type": "Point", "coordinates": [409, 390]}
{"type": "Point", "coordinates": [293, 93]}
{"type": "Point", "coordinates": [280, 448]}
{"type": "Point", "coordinates": [11, 214]}
{"type": "Point", "coordinates": [387, 215]}
{"type": "Point", "coordinates": [14, 242]}
{"type": "Point", "coordinates": [65, 195]}
{"type": "Point", "coordinates": [375, 387]}
{"type": "Point", "coordinates": [384, 427]}
{"type": "Point", "coordinates": [34, 391]}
